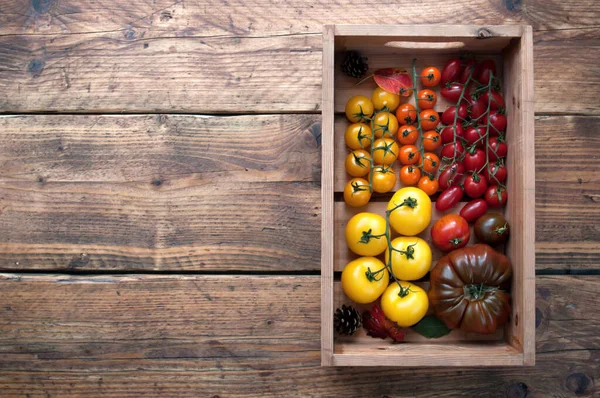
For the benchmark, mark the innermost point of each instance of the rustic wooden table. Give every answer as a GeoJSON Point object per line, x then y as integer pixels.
{"type": "Point", "coordinates": [149, 250]}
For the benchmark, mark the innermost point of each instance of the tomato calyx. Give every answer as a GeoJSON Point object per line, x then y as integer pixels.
{"type": "Point", "coordinates": [409, 252]}
{"type": "Point", "coordinates": [455, 242]}
{"type": "Point", "coordinates": [476, 292]}
{"type": "Point", "coordinates": [372, 276]}
{"type": "Point", "coordinates": [502, 229]}
{"type": "Point", "coordinates": [410, 202]}
{"type": "Point", "coordinates": [404, 291]}
{"type": "Point", "coordinates": [367, 236]}
{"type": "Point", "coordinates": [356, 187]}
{"type": "Point", "coordinates": [362, 116]}
{"type": "Point", "coordinates": [358, 160]}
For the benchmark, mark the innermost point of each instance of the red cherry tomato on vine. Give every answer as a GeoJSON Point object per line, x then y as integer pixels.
{"type": "Point", "coordinates": [431, 162]}
{"type": "Point", "coordinates": [431, 140]}
{"type": "Point", "coordinates": [473, 210]}
{"type": "Point", "coordinates": [451, 71]}
{"type": "Point", "coordinates": [452, 92]}
{"type": "Point", "coordinates": [451, 175]}
{"type": "Point", "coordinates": [448, 133]}
{"type": "Point", "coordinates": [407, 134]}
{"type": "Point", "coordinates": [449, 198]}
{"type": "Point", "coordinates": [410, 175]}
{"type": "Point", "coordinates": [450, 232]}
{"type": "Point", "coordinates": [449, 151]}
{"type": "Point", "coordinates": [427, 99]}
{"type": "Point", "coordinates": [428, 185]}
{"type": "Point", "coordinates": [497, 122]}
{"type": "Point", "coordinates": [475, 136]}
{"type": "Point", "coordinates": [467, 68]}
{"type": "Point", "coordinates": [496, 173]}
{"type": "Point", "coordinates": [448, 115]}
{"type": "Point", "coordinates": [406, 113]}
{"type": "Point", "coordinates": [484, 70]}
{"type": "Point", "coordinates": [476, 108]}
{"type": "Point", "coordinates": [495, 196]}
{"type": "Point", "coordinates": [497, 149]}
{"type": "Point", "coordinates": [475, 185]}
{"type": "Point", "coordinates": [430, 76]}
{"type": "Point", "coordinates": [474, 159]}
{"type": "Point", "coordinates": [429, 119]}
{"type": "Point", "coordinates": [497, 100]}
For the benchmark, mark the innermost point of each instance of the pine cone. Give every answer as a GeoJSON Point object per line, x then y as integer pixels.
{"type": "Point", "coordinates": [354, 65]}
{"type": "Point", "coordinates": [347, 320]}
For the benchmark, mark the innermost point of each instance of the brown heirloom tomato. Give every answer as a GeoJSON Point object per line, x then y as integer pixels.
{"type": "Point", "coordinates": [468, 289]}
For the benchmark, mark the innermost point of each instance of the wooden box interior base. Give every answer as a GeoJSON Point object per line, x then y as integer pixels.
{"type": "Point", "coordinates": [506, 346]}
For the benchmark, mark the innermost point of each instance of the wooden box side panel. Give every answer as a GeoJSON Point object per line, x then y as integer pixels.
{"type": "Point", "coordinates": [327, 199]}
{"type": "Point", "coordinates": [520, 212]}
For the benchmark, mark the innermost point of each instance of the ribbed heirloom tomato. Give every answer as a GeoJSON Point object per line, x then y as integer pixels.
{"type": "Point", "coordinates": [409, 211]}
{"type": "Point", "coordinates": [365, 279]}
{"type": "Point", "coordinates": [365, 234]}
{"type": "Point", "coordinates": [411, 258]}
{"type": "Point", "coordinates": [404, 303]}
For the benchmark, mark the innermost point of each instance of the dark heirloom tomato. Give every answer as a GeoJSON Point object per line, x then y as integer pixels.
{"type": "Point", "coordinates": [492, 228]}
{"type": "Point", "coordinates": [468, 289]}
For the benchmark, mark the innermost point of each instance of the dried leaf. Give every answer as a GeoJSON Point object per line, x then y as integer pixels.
{"type": "Point", "coordinates": [378, 325]}
{"type": "Point", "coordinates": [394, 80]}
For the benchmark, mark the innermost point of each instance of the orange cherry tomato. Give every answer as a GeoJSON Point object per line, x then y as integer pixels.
{"type": "Point", "coordinates": [406, 114]}
{"type": "Point", "coordinates": [430, 76]}
{"type": "Point", "coordinates": [431, 162]}
{"type": "Point", "coordinates": [410, 175]}
{"type": "Point", "coordinates": [409, 154]}
{"type": "Point", "coordinates": [427, 99]}
{"type": "Point", "coordinates": [428, 185]}
{"type": "Point", "coordinates": [431, 140]}
{"type": "Point", "coordinates": [429, 119]}
{"type": "Point", "coordinates": [408, 134]}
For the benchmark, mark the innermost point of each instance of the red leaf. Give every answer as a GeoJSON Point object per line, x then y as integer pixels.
{"type": "Point", "coordinates": [394, 331]}
{"type": "Point", "coordinates": [394, 80]}
{"type": "Point", "coordinates": [378, 325]}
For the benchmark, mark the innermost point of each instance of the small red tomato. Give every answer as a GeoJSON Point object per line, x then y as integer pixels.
{"type": "Point", "coordinates": [475, 185]}
{"type": "Point", "coordinates": [497, 100]}
{"type": "Point", "coordinates": [448, 133]}
{"type": "Point", "coordinates": [451, 175]}
{"type": "Point", "coordinates": [497, 122]}
{"type": "Point", "coordinates": [427, 99]}
{"type": "Point", "coordinates": [476, 108]}
{"type": "Point", "coordinates": [495, 196]}
{"type": "Point", "coordinates": [496, 173]}
{"type": "Point", "coordinates": [474, 159]}
{"type": "Point", "coordinates": [450, 232]}
{"type": "Point", "coordinates": [449, 114]}
{"type": "Point", "coordinates": [473, 210]}
{"type": "Point", "coordinates": [449, 198]}
{"type": "Point", "coordinates": [484, 70]}
{"type": "Point", "coordinates": [451, 71]}
{"type": "Point", "coordinates": [475, 136]}
{"type": "Point", "coordinates": [496, 149]}
{"type": "Point", "coordinates": [452, 151]}
{"type": "Point", "coordinates": [453, 91]}
{"type": "Point", "coordinates": [430, 76]}
{"type": "Point", "coordinates": [468, 67]}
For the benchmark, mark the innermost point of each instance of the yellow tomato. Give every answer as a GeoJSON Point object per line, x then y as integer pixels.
{"type": "Point", "coordinates": [365, 279]}
{"type": "Point", "coordinates": [385, 124]}
{"type": "Point", "coordinates": [383, 179]}
{"type": "Point", "coordinates": [407, 305]}
{"type": "Point", "coordinates": [358, 136]}
{"type": "Point", "coordinates": [382, 98]}
{"type": "Point", "coordinates": [411, 258]}
{"type": "Point", "coordinates": [358, 163]}
{"type": "Point", "coordinates": [356, 192]}
{"type": "Point", "coordinates": [359, 109]}
{"type": "Point", "coordinates": [410, 211]}
{"type": "Point", "coordinates": [365, 234]}
{"type": "Point", "coordinates": [385, 151]}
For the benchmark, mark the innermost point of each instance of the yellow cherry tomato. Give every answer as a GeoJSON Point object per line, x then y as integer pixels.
{"type": "Point", "coordinates": [382, 99]}
{"type": "Point", "coordinates": [410, 211]}
{"type": "Point", "coordinates": [358, 136]}
{"type": "Point", "coordinates": [404, 305]}
{"type": "Point", "coordinates": [385, 124]}
{"type": "Point", "coordinates": [365, 234]}
{"type": "Point", "coordinates": [411, 258]}
{"type": "Point", "coordinates": [359, 109]}
{"type": "Point", "coordinates": [358, 163]}
{"type": "Point", "coordinates": [365, 279]}
{"type": "Point", "coordinates": [383, 179]}
{"type": "Point", "coordinates": [385, 151]}
{"type": "Point", "coordinates": [356, 192]}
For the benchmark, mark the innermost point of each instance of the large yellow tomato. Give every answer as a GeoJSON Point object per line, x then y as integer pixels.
{"type": "Point", "coordinates": [411, 258]}
{"type": "Point", "coordinates": [365, 234]}
{"type": "Point", "coordinates": [404, 305]}
{"type": "Point", "coordinates": [359, 109]}
{"type": "Point", "coordinates": [410, 211]}
{"type": "Point", "coordinates": [365, 279]}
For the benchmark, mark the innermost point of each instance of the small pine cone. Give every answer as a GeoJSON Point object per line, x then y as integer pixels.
{"type": "Point", "coordinates": [347, 320]}
{"type": "Point", "coordinates": [354, 65]}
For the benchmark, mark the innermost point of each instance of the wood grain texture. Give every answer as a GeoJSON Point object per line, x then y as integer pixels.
{"type": "Point", "coordinates": [159, 192]}
{"type": "Point", "coordinates": [185, 335]}
{"type": "Point", "coordinates": [173, 56]}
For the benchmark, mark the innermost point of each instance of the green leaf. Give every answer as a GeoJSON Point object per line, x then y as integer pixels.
{"type": "Point", "coordinates": [431, 327]}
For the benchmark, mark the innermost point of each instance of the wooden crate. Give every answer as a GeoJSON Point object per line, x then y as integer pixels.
{"type": "Point", "coordinates": [396, 46]}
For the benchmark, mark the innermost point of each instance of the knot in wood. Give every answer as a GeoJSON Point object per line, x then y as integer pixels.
{"type": "Point", "coordinates": [484, 33]}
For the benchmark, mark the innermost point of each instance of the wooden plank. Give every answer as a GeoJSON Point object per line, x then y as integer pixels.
{"type": "Point", "coordinates": [178, 335]}
{"type": "Point", "coordinates": [160, 192]}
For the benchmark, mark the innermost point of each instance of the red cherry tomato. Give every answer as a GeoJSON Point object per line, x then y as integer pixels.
{"type": "Point", "coordinates": [497, 100]}
{"type": "Point", "coordinates": [474, 159]}
{"type": "Point", "coordinates": [473, 210]}
{"type": "Point", "coordinates": [449, 151]}
{"type": "Point", "coordinates": [495, 173]}
{"type": "Point", "coordinates": [475, 136]}
{"type": "Point", "coordinates": [451, 175]}
{"type": "Point", "coordinates": [484, 69]}
{"type": "Point", "coordinates": [496, 149]}
{"type": "Point", "coordinates": [448, 115]}
{"type": "Point", "coordinates": [476, 108]}
{"type": "Point", "coordinates": [452, 92]}
{"type": "Point", "coordinates": [497, 122]}
{"type": "Point", "coordinates": [451, 71]}
{"type": "Point", "coordinates": [449, 198]}
{"type": "Point", "coordinates": [448, 133]}
{"type": "Point", "coordinates": [475, 185]}
{"type": "Point", "coordinates": [467, 68]}
{"type": "Point", "coordinates": [450, 232]}
{"type": "Point", "coordinates": [495, 196]}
